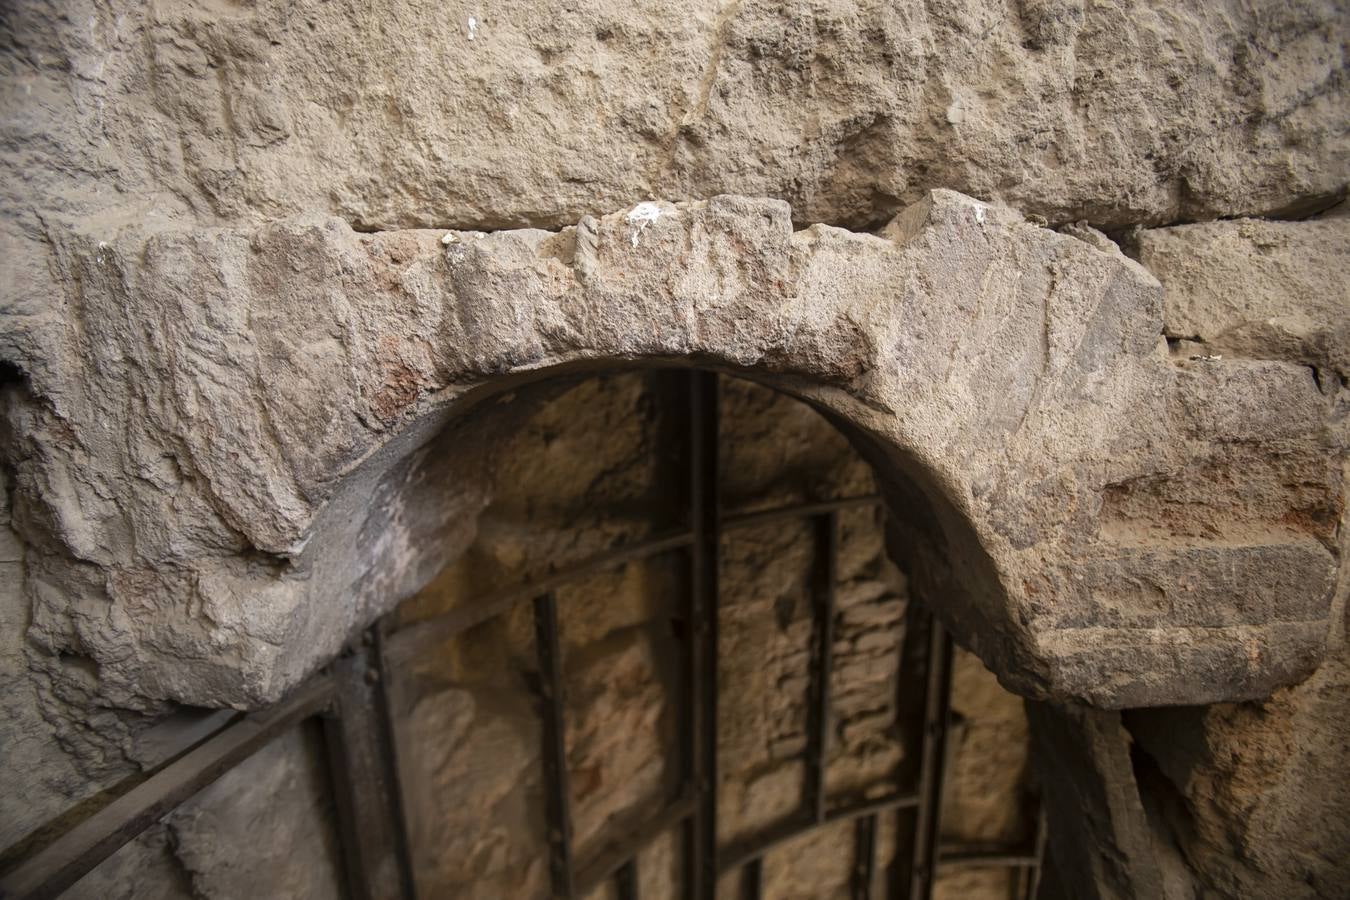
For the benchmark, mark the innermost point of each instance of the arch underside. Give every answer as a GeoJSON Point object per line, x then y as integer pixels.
{"type": "Point", "coordinates": [1092, 517]}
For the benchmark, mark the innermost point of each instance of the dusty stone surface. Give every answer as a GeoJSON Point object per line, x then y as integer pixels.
{"type": "Point", "coordinates": [222, 402]}
{"type": "Point", "coordinates": [146, 867]}
{"type": "Point", "coordinates": [263, 829]}
{"type": "Point", "coordinates": [1083, 756]}
{"type": "Point", "coordinates": [1255, 795]}
{"type": "Point", "coordinates": [1257, 289]}
{"type": "Point", "coordinates": [987, 796]}
{"type": "Point", "coordinates": [397, 115]}
{"type": "Point", "coordinates": [475, 829]}
{"type": "Point", "coordinates": [189, 533]}
{"type": "Point", "coordinates": [51, 781]}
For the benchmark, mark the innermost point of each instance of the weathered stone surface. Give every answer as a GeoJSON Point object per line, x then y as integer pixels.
{"type": "Point", "coordinates": [1265, 290]}
{"type": "Point", "coordinates": [1255, 795]}
{"type": "Point", "coordinates": [146, 867]}
{"type": "Point", "coordinates": [211, 534]}
{"type": "Point", "coordinates": [398, 114]}
{"type": "Point", "coordinates": [224, 408]}
{"type": "Point", "coordinates": [264, 829]}
{"type": "Point", "coordinates": [475, 828]}
{"type": "Point", "coordinates": [988, 764]}
{"type": "Point", "coordinates": [1083, 756]}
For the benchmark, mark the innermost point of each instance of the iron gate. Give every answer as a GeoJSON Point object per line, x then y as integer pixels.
{"type": "Point", "coordinates": [352, 700]}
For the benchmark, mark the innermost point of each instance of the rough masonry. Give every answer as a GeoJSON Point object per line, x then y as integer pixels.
{"type": "Point", "coordinates": [1072, 276]}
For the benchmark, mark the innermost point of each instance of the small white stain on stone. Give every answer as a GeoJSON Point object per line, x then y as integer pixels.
{"type": "Point", "coordinates": [956, 113]}
{"type": "Point", "coordinates": [640, 217]}
{"type": "Point", "coordinates": [449, 238]}
{"type": "Point", "coordinates": [473, 28]}
{"type": "Point", "coordinates": [979, 214]}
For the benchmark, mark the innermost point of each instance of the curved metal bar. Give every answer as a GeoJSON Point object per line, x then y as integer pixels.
{"type": "Point", "coordinates": [757, 845]}
{"type": "Point", "coordinates": [410, 640]}
{"type": "Point", "coordinates": [797, 511]}
{"type": "Point", "coordinates": [980, 859]}
{"type": "Point", "coordinates": [613, 857]}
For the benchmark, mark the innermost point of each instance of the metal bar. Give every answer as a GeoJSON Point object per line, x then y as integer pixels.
{"type": "Point", "coordinates": [752, 879]}
{"type": "Point", "coordinates": [612, 858]}
{"type": "Point", "coordinates": [626, 880]}
{"type": "Point", "coordinates": [70, 857]}
{"type": "Point", "coordinates": [864, 856]}
{"type": "Point", "coordinates": [703, 434]}
{"type": "Point", "coordinates": [759, 844]}
{"type": "Point", "coordinates": [985, 860]}
{"type": "Point", "coordinates": [911, 673]}
{"type": "Point", "coordinates": [937, 712]}
{"type": "Point", "coordinates": [407, 642]}
{"type": "Point", "coordinates": [358, 741]}
{"type": "Point", "coordinates": [386, 692]}
{"type": "Point", "coordinates": [822, 653]}
{"type": "Point", "coordinates": [411, 640]}
{"type": "Point", "coordinates": [1042, 836]}
{"type": "Point", "coordinates": [557, 791]}
{"type": "Point", "coordinates": [735, 521]}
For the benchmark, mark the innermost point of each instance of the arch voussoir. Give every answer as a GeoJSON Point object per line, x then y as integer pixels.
{"type": "Point", "coordinates": [1010, 383]}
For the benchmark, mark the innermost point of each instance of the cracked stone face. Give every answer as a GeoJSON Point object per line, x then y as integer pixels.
{"type": "Point", "coordinates": [279, 282]}
{"type": "Point", "coordinates": [400, 114]}
{"type": "Point", "coordinates": [231, 455]}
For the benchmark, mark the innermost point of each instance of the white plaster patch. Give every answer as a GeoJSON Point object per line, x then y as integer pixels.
{"type": "Point", "coordinates": [473, 28]}
{"type": "Point", "coordinates": [640, 217]}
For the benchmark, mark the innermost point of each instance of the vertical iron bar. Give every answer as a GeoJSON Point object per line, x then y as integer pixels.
{"type": "Point", "coordinates": [822, 652]}
{"type": "Point", "coordinates": [557, 792]}
{"type": "Point", "coordinates": [752, 879]}
{"type": "Point", "coordinates": [937, 712]}
{"type": "Point", "coordinates": [911, 686]}
{"type": "Point", "coordinates": [703, 434]}
{"type": "Point", "coordinates": [691, 768]}
{"type": "Point", "coordinates": [387, 696]}
{"type": "Point", "coordinates": [1042, 834]}
{"type": "Point", "coordinates": [864, 856]}
{"type": "Point", "coordinates": [358, 738]}
{"type": "Point", "coordinates": [626, 880]}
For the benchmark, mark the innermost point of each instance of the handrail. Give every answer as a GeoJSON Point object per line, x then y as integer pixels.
{"type": "Point", "coordinates": [797, 511]}
{"type": "Point", "coordinates": [72, 855]}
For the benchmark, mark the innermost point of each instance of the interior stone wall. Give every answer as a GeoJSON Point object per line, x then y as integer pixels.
{"type": "Point", "coordinates": [592, 466]}
{"type": "Point", "coordinates": [1115, 384]}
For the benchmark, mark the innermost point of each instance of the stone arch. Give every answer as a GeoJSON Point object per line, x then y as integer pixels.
{"type": "Point", "coordinates": [1010, 384]}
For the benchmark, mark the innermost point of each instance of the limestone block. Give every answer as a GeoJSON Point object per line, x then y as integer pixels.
{"type": "Point", "coordinates": [212, 534]}
{"type": "Point", "coordinates": [398, 114]}
{"type": "Point", "coordinates": [1255, 794]}
{"type": "Point", "coordinates": [1251, 288]}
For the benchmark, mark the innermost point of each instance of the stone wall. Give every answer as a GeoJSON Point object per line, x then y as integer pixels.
{"type": "Point", "coordinates": [592, 466]}
{"type": "Point", "coordinates": [1110, 395]}
{"type": "Point", "coordinates": [397, 116]}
